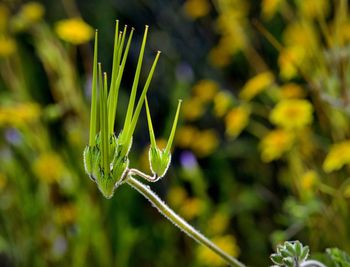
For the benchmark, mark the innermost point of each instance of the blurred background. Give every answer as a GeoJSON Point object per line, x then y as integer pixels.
{"type": "Point", "coordinates": [262, 149]}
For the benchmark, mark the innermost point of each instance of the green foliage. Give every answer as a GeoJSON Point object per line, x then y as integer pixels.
{"type": "Point", "coordinates": [290, 254]}
{"type": "Point", "coordinates": [338, 257]}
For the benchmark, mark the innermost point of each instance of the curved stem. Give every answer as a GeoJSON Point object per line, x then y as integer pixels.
{"type": "Point", "coordinates": [312, 263]}
{"type": "Point", "coordinates": [179, 222]}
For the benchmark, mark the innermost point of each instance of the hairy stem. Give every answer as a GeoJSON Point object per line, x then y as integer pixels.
{"type": "Point", "coordinates": [312, 263]}
{"type": "Point", "coordinates": [179, 222]}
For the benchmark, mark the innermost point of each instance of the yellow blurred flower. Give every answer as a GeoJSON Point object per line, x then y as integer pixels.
{"type": "Point", "coordinates": [234, 37]}
{"type": "Point", "coordinates": [205, 90]}
{"type": "Point", "coordinates": [218, 223]}
{"type": "Point", "coordinates": [275, 144]}
{"type": "Point", "coordinates": [208, 258]}
{"type": "Point", "coordinates": [4, 16]}
{"type": "Point", "coordinates": [302, 35]}
{"type": "Point", "coordinates": [185, 135]}
{"type": "Point", "coordinates": [306, 142]}
{"type": "Point", "coordinates": [236, 120]}
{"type": "Point", "coordinates": [192, 108]}
{"type": "Point", "coordinates": [49, 167]}
{"type": "Point", "coordinates": [222, 102]}
{"type": "Point", "coordinates": [292, 90]}
{"type": "Point", "coordinates": [32, 12]}
{"type": "Point", "coordinates": [196, 8]}
{"type": "Point", "coordinates": [176, 196]}
{"type": "Point", "coordinates": [256, 85]}
{"type": "Point", "coordinates": [338, 156]}
{"type": "Point", "coordinates": [292, 114]}
{"type": "Point", "coordinates": [191, 208]}
{"type": "Point", "coordinates": [204, 143]}
{"type": "Point", "coordinates": [66, 214]}
{"type": "Point", "coordinates": [201, 142]}
{"type": "Point", "coordinates": [74, 31]}
{"type": "Point", "coordinates": [308, 180]}
{"type": "Point", "coordinates": [312, 8]}
{"type": "Point", "coordinates": [344, 31]}
{"type": "Point", "coordinates": [219, 57]}
{"type": "Point", "coordinates": [20, 114]}
{"type": "Point", "coordinates": [7, 46]}
{"type": "Point", "coordinates": [289, 60]}
{"type": "Point", "coordinates": [270, 7]}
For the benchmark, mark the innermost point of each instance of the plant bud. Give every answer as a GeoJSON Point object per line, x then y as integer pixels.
{"type": "Point", "coordinates": [159, 161]}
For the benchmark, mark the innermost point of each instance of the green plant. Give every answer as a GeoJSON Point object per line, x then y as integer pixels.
{"type": "Point", "coordinates": [106, 158]}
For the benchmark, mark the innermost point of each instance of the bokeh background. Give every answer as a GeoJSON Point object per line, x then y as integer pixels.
{"type": "Point", "coordinates": [262, 148]}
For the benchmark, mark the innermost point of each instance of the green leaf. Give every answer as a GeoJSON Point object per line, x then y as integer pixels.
{"type": "Point", "coordinates": [276, 258]}
{"type": "Point", "coordinates": [298, 248]}
{"type": "Point", "coordinates": [338, 257]}
{"type": "Point", "coordinates": [305, 253]}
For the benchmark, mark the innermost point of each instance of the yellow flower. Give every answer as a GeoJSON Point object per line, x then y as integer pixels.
{"type": "Point", "coordinates": [196, 8]}
{"type": "Point", "coordinates": [292, 90]}
{"type": "Point", "coordinates": [312, 8]}
{"type": "Point", "coordinates": [308, 180]}
{"type": "Point", "coordinates": [4, 16]}
{"type": "Point", "coordinates": [219, 57]}
{"type": "Point", "coordinates": [344, 31]}
{"type": "Point", "coordinates": [236, 120]}
{"type": "Point", "coordinates": [185, 135]}
{"type": "Point", "coordinates": [192, 108]}
{"type": "Point", "coordinates": [270, 7]}
{"type": "Point", "coordinates": [32, 12]}
{"type": "Point", "coordinates": [222, 102]}
{"type": "Point", "coordinates": [234, 39]}
{"type": "Point", "coordinates": [176, 196]}
{"type": "Point", "coordinates": [256, 84]}
{"type": "Point", "coordinates": [275, 144]}
{"type": "Point", "coordinates": [20, 114]}
{"type": "Point", "coordinates": [7, 46]}
{"type": "Point", "coordinates": [205, 90]}
{"type": "Point", "coordinates": [338, 156]}
{"type": "Point", "coordinates": [289, 60]}
{"type": "Point", "coordinates": [292, 114]}
{"type": "Point", "coordinates": [191, 208]}
{"type": "Point", "coordinates": [208, 258]}
{"type": "Point", "coordinates": [218, 223]}
{"type": "Point", "coordinates": [66, 214]}
{"type": "Point", "coordinates": [204, 143]}
{"type": "Point", "coordinates": [74, 31]}
{"type": "Point", "coordinates": [49, 167]}
{"type": "Point", "coordinates": [300, 34]}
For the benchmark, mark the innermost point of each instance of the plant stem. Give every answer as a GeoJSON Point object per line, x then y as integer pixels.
{"type": "Point", "coordinates": [312, 263]}
{"type": "Point", "coordinates": [179, 222]}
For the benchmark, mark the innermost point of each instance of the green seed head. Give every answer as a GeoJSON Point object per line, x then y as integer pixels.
{"type": "Point", "coordinates": [106, 157]}
{"type": "Point", "coordinates": [94, 166]}
{"type": "Point", "coordinates": [159, 161]}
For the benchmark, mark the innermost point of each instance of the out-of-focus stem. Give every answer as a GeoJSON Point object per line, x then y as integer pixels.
{"type": "Point", "coordinates": [179, 222]}
{"type": "Point", "coordinates": [312, 263]}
